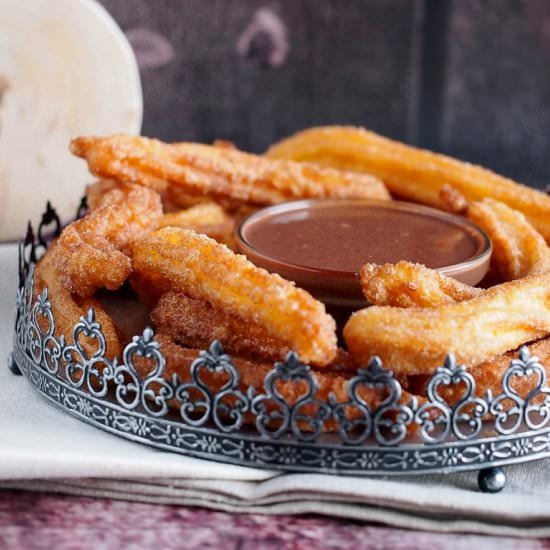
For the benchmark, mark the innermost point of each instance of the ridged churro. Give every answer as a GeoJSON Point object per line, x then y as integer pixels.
{"type": "Point", "coordinates": [410, 173]}
{"type": "Point", "coordinates": [219, 173]}
{"type": "Point", "coordinates": [195, 323]}
{"type": "Point", "coordinates": [451, 200]}
{"type": "Point", "coordinates": [67, 309]}
{"type": "Point", "coordinates": [416, 340]}
{"type": "Point", "coordinates": [406, 284]}
{"type": "Point", "coordinates": [90, 253]}
{"type": "Point", "coordinates": [518, 248]}
{"type": "Point", "coordinates": [208, 218]}
{"type": "Point", "coordinates": [488, 376]}
{"type": "Point", "coordinates": [195, 265]}
{"type": "Point", "coordinates": [333, 380]}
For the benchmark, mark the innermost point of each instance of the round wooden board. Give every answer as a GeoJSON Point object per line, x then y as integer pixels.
{"type": "Point", "coordinates": [66, 69]}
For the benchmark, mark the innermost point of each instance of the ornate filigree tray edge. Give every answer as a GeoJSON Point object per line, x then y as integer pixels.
{"type": "Point", "coordinates": [381, 448]}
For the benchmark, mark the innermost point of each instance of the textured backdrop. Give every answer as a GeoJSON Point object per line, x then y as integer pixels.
{"type": "Point", "coordinates": [466, 78]}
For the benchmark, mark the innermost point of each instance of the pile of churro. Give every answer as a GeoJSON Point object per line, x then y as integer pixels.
{"type": "Point", "coordinates": [160, 225]}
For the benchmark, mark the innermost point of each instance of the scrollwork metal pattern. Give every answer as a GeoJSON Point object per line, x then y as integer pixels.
{"type": "Point", "coordinates": [263, 427]}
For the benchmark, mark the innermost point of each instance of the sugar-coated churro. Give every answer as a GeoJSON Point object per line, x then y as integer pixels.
{"type": "Point", "coordinates": [406, 284]}
{"type": "Point", "coordinates": [409, 173]}
{"type": "Point", "coordinates": [90, 253]}
{"type": "Point", "coordinates": [195, 265]}
{"type": "Point", "coordinates": [416, 340]}
{"type": "Point", "coordinates": [518, 248]}
{"type": "Point", "coordinates": [217, 172]}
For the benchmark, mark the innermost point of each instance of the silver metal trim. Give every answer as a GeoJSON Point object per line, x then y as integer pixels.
{"type": "Point", "coordinates": [261, 428]}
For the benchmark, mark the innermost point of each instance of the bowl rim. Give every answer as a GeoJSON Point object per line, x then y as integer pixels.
{"type": "Point", "coordinates": [482, 254]}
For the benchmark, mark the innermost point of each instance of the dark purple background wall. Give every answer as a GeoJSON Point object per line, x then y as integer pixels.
{"type": "Point", "coordinates": [469, 78]}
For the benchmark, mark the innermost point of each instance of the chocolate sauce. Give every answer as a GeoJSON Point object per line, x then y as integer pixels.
{"type": "Point", "coordinates": [321, 244]}
{"type": "Point", "coordinates": [343, 238]}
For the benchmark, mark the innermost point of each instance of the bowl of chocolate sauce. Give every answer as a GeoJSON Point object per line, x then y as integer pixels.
{"type": "Point", "coordinates": [322, 244]}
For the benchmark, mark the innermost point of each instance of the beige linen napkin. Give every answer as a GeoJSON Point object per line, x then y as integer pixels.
{"type": "Point", "coordinates": [42, 448]}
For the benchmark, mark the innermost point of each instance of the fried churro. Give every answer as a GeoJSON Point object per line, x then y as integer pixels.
{"type": "Point", "coordinates": [416, 340]}
{"type": "Point", "coordinates": [208, 218]}
{"type": "Point", "coordinates": [488, 376]}
{"type": "Point", "coordinates": [195, 265]}
{"type": "Point", "coordinates": [91, 252]}
{"type": "Point", "coordinates": [407, 284]}
{"type": "Point", "coordinates": [331, 381]}
{"type": "Point", "coordinates": [410, 173]}
{"type": "Point", "coordinates": [518, 248]}
{"type": "Point", "coordinates": [219, 173]}
{"type": "Point", "coordinates": [452, 201]}
{"type": "Point", "coordinates": [67, 310]}
{"type": "Point", "coordinates": [195, 323]}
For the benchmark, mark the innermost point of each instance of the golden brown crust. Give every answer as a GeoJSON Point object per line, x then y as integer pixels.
{"type": "Point", "coordinates": [195, 323]}
{"type": "Point", "coordinates": [175, 198]}
{"type": "Point", "coordinates": [452, 200]}
{"type": "Point", "coordinates": [518, 248]}
{"type": "Point", "coordinates": [416, 340]}
{"type": "Point", "coordinates": [224, 144]}
{"type": "Point", "coordinates": [104, 192]}
{"type": "Point", "coordinates": [91, 252]}
{"type": "Point", "coordinates": [219, 173]}
{"type": "Point", "coordinates": [410, 173]}
{"type": "Point", "coordinates": [208, 218]}
{"type": "Point", "coordinates": [406, 284]}
{"type": "Point", "coordinates": [67, 309]}
{"type": "Point", "coordinates": [193, 264]}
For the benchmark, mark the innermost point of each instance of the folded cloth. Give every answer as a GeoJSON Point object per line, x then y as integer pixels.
{"type": "Point", "coordinates": [44, 449]}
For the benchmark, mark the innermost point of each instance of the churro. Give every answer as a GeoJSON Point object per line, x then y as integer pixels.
{"type": "Point", "coordinates": [416, 340]}
{"type": "Point", "coordinates": [195, 265]}
{"type": "Point", "coordinates": [410, 173]}
{"type": "Point", "coordinates": [219, 173]}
